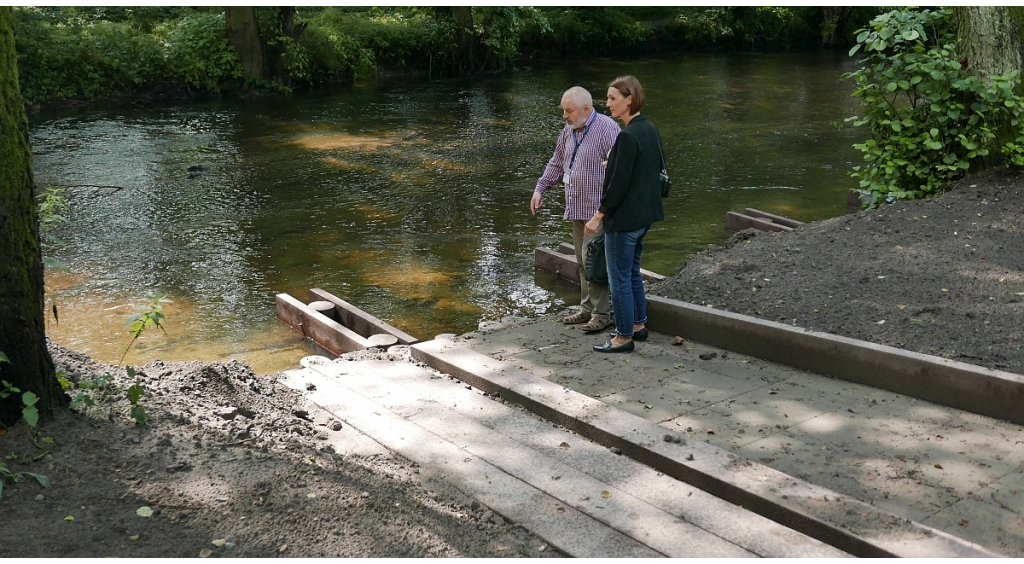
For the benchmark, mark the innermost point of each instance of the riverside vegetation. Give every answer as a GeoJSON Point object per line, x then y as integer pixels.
{"type": "Point", "coordinates": [90, 54]}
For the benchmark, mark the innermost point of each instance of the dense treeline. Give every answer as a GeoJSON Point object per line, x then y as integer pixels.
{"type": "Point", "coordinates": [87, 54]}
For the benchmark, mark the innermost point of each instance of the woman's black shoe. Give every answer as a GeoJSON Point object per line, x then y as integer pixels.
{"type": "Point", "coordinates": [640, 335]}
{"type": "Point", "coordinates": [628, 346]}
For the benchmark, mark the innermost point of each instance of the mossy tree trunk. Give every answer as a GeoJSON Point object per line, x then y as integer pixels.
{"type": "Point", "coordinates": [990, 40]}
{"type": "Point", "coordinates": [22, 329]}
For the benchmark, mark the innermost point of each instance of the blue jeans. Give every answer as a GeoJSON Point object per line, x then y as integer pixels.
{"type": "Point", "coordinates": [629, 303]}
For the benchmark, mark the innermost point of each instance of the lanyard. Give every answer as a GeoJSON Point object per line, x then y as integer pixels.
{"type": "Point", "coordinates": [580, 140]}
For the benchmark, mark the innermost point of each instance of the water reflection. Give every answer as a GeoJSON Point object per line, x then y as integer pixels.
{"type": "Point", "coordinates": [408, 200]}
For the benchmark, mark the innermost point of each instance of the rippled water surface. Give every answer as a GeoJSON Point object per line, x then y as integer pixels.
{"type": "Point", "coordinates": [407, 199]}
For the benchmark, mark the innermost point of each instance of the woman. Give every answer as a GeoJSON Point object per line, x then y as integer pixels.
{"type": "Point", "coordinates": [630, 204]}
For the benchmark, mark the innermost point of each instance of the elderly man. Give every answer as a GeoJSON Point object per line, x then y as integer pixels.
{"type": "Point", "coordinates": [578, 163]}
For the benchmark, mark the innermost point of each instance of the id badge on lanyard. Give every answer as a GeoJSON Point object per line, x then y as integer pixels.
{"type": "Point", "coordinates": [565, 177]}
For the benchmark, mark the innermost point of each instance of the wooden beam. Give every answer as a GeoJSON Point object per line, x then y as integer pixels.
{"type": "Point", "coordinates": [560, 264]}
{"type": "Point", "coordinates": [564, 265]}
{"type": "Point", "coordinates": [735, 221]}
{"type": "Point", "coordinates": [773, 218]}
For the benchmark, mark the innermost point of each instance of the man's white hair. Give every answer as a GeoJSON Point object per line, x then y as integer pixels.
{"type": "Point", "coordinates": [579, 96]}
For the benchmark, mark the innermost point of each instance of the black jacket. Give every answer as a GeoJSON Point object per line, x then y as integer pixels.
{"type": "Point", "coordinates": [632, 194]}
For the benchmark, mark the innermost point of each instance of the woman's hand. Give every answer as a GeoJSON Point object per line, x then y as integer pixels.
{"type": "Point", "coordinates": [594, 224]}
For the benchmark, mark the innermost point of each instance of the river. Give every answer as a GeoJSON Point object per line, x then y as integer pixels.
{"type": "Point", "coordinates": [408, 198]}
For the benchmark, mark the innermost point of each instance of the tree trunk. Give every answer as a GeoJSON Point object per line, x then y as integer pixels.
{"type": "Point", "coordinates": [22, 329]}
{"type": "Point", "coordinates": [276, 55]}
{"type": "Point", "coordinates": [244, 33]}
{"type": "Point", "coordinates": [990, 40]}
{"type": "Point", "coordinates": [465, 40]}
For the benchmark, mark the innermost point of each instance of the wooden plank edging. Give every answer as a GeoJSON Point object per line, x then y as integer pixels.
{"type": "Point", "coordinates": [993, 393]}
{"type": "Point", "coordinates": [562, 263]}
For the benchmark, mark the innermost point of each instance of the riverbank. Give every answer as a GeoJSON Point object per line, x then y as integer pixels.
{"type": "Point", "coordinates": [233, 464]}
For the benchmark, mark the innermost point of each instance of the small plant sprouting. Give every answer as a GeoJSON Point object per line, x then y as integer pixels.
{"type": "Point", "coordinates": [135, 393]}
{"type": "Point", "coordinates": [152, 317]}
{"type": "Point", "coordinates": [29, 411]}
{"type": "Point", "coordinates": [11, 477]}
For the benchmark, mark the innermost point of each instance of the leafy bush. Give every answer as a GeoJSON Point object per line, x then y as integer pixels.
{"type": "Point", "coordinates": [586, 30]}
{"type": "Point", "coordinates": [198, 52]}
{"type": "Point", "coordinates": [86, 61]}
{"type": "Point", "coordinates": [929, 119]}
{"type": "Point", "coordinates": [394, 37]}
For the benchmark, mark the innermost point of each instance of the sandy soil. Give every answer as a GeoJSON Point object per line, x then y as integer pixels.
{"type": "Point", "coordinates": [233, 464]}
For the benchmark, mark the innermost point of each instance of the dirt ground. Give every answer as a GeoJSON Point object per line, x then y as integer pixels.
{"type": "Point", "coordinates": [232, 464]}
{"type": "Point", "coordinates": [943, 277]}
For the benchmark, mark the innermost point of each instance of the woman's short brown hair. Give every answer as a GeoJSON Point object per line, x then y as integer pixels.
{"type": "Point", "coordinates": [628, 85]}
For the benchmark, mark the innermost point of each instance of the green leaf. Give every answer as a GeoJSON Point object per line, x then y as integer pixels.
{"type": "Point", "coordinates": [81, 399]}
{"type": "Point", "coordinates": [41, 478]}
{"type": "Point", "coordinates": [3, 357]}
{"type": "Point", "coordinates": [138, 413]}
{"type": "Point", "coordinates": [31, 415]}
{"type": "Point", "coordinates": [135, 392]}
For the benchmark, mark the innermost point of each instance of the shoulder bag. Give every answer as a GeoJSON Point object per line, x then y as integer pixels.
{"type": "Point", "coordinates": [663, 180]}
{"type": "Point", "coordinates": [596, 269]}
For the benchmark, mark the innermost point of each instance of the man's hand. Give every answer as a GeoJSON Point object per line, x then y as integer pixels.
{"type": "Point", "coordinates": [594, 224]}
{"type": "Point", "coordinates": [536, 202]}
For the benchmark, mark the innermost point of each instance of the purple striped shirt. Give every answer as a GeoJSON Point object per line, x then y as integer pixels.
{"type": "Point", "coordinates": [586, 177]}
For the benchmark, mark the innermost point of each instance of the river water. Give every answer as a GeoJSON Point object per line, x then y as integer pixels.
{"type": "Point", "coordinates": [406, 198]}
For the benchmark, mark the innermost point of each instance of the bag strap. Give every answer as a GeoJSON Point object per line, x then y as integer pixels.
{"type": "Point", "coordinates": [661, 146]}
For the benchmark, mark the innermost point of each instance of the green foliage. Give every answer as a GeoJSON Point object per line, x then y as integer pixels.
{"type": "Point", "coordinates": [586, 30]}
{"type": "Point", "coordinates": [94, 53]}
{"type": "Point", "coordinates": [391, 37]}
{"type": "Point", "coordinates": [29, 411]}
{"type": "Point", "coordinates": [135, 393]}
{"type": "Point", "coordinates": [929, 119]}
{"type": "Point", "coordinates": [198, 52]}
{"type": "Point", "coordinates": [89, 61]}
{"type": "Point", "coordinates": [8, 476]}
{"type": "Point", "coordinates": [152, 316]}
{"type": "Point", "coordinates": [762, 27]}
{"type": "Point", "coordinates": [329, 51]}
{"type": "Point", "coordinates": [499, 29]}
{"type": "Point", "coordinates": [99, 390]}
{"type": "Point", "coordinates": [52, 204]}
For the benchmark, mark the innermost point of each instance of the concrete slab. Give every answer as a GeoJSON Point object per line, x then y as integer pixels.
{"type": "Point", "coordinates": [605, 502]}
{"type": "Point", "coordinates": [866, 429]}
{"type": "Point", "coordinates": [558, 523]}
{"type": "Point", "coordinates": [797, 504]}
{"type": "Point", "coordinates": [723, 519]}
